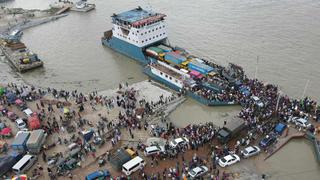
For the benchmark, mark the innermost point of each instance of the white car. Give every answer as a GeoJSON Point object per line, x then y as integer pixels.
{"type": "Point", "coordinates": [302, 123]}
{"type": "Point", "coordinates": [198, 171]}
{"type": "Point", "coordinates": [28, 112]}
{"type": "Point", "coordinates": [179, 142]}
{"type": "Point", "coordinates": [257, 101]}
{"type": "Point", "coordinates": [250, 151]}
{"type": "Point", "coordinates": [229, 160]}
{"type": "Point", "coordinates": [20, 124]}
{"type": "Point", "coordinates": [153, 150]}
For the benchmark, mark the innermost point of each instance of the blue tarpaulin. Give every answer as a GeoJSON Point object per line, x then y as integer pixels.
{"type": "Point", "coordinates": [280, 128]}
{"type": "Point", "coordinates": [11, 97]}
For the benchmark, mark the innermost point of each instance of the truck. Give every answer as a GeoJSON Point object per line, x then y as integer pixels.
{"type": "Point", "coordinates": [19, 142]}
{"type": "Point", "coordinates": [36, 140]}
{"type": "Point", "coordinates": [230, 130]}
{"type": "Point", "coordinates": [7, 162]}
{"type": "Point", "coordinates": [200, 67]}
{"type": "Point", "coordinates": [174, 58]}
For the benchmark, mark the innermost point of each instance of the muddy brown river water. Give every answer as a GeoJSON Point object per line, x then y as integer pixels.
{"type": "Point", "coordinates": [285, 34]}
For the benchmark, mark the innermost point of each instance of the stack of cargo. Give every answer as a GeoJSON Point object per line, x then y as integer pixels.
{"type": "Point", "coordinates": [165, 48]}
{"type": "Point", "coordinates": [36, 140]}
{"type": "Point", "coordinates": [200, 67]}
{"type": "Point", "coordinates": [19, 142]}
{"type": "Point", "coordinates": [174, 58]}
{"type": "Point", "coordinates": [154, 51]}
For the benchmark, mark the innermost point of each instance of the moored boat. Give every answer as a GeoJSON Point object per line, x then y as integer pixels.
{"type": "Point", "coordinates": [141, 35]}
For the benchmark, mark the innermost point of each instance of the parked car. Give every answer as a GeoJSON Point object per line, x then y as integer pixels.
{"type": "Point", "coordinates": [268, 140]}
{"type": "Point", "coordinates": [100, 174]}
{"type": "Point", "coordinates": [198, 172]}
{"type": "Point", "coordinates": [20, 124]}
{"type": "Point", "coordinates": [28, 112]}
{"type": "Point", "coordinates": [250, 151]}
{"type": "Point", "coordinates": [179, 142]}
{"type": "Point", "coordinates": [153, 150]}
{"type": "Point", "coordinates": [301, 122]}
{"type": "Point", "coordinates": [257, 101]}
{"type": "Point", "coordinates": [229, 160]}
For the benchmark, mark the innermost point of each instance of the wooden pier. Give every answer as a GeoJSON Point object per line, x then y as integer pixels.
{"type": "Point", "coordinates": [64, 9]}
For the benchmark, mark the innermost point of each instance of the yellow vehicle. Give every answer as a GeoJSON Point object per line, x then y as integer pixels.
{"type": "Point", "coordinates": [184, 64]}
{"type": "Point", "coordinates": [161, 56]}
{"type": "Point", "coordinates": [211, 74]}
{"type": "Point", "coordinates": [131, 152]}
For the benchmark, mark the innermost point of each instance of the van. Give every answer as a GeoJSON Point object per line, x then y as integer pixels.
{"type": "Point", "coordinates": [133, 165]}
{"type": "Point", "coordinates": [153, 150]}
{"type": "Point", "coordinates": [24, 164]}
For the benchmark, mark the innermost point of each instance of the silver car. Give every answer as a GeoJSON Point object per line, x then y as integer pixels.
{"type": "Point", "coordinates": [250, 151]}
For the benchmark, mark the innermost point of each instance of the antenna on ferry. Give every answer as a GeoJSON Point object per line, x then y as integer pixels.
{"type": "Point", "coordinates": [256, 73]}
{"type": "Point", "coordinates": [305, 89]}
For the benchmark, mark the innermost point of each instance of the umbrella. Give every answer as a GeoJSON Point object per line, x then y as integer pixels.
{"type": "Point", "coordinates": [5, 131]}
{"type": "Point", "coordinates": [20, 177]}
{"type": "Point", "coordinates": [2, 91]}
{"type": "Point", "coordinates": [19, 102]}
{"type": "Point", "coordinates": [10, 114]}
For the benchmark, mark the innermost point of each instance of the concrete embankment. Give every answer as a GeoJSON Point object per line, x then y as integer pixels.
{"type": "Point", "coordinates": [36, 22]}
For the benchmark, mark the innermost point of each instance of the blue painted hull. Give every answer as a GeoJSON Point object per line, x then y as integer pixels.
{"type": "Point", "coordinates": [191, 94]}
{"type": "Point", "coordinates": [127, 49]}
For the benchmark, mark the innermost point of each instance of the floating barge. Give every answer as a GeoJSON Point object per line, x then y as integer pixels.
{"type": "Point", "coordinates": [21, 58]}
{"type": "Point", "coordinates": [80, 6]}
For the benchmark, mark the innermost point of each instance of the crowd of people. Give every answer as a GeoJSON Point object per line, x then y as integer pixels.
{"type": "Point", "coordinates": [258, 119]}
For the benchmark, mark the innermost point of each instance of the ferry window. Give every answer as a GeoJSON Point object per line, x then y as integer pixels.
{"type": "Point", "coordinates": [145, 33]}
{"type": "Point", "coordinates": [161, 73]}
{"type": "Point", "coordinates": [160, 27]}
{"type": "Point", "coordinates": [149, 31]}
{"type": "Point", "coordinates": [141, 34]}
{"type": "Point", "coordinates": [152, 30]}
{"type": "Point", "coordinates": [156, 28]}
{"type": "Point", "coordinates": [176, 81]}
{"type": "Point", "coordinates": [153, 37]}
{"type": "Point", "coordinates": [149, 38]}
{"type": "Point", "coordinates": [166, 76]}
{"type": "Point", "coordinates": [160, 34]}
{"type": "Point", "coordinates": [137, 31]}
{"type": "Point", "coordinates": [129, 38]}
{"type": "Point", "coordinates": [157, 36]}
{"type": "Point", "coordinates": [142, 41]}
{"type": "Point", "coordinates": [170, 78]}
{"type": "Point", "coordinates": [163, 26]}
